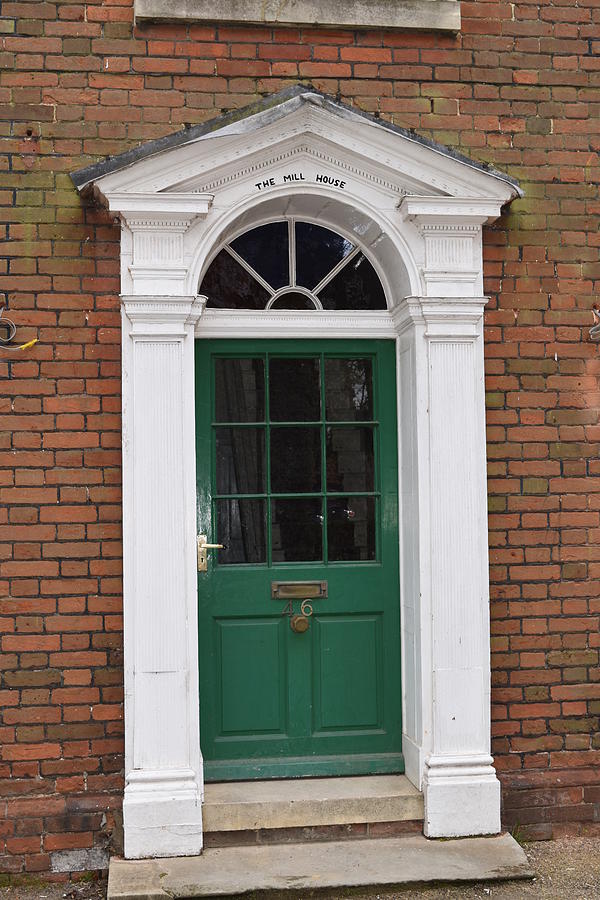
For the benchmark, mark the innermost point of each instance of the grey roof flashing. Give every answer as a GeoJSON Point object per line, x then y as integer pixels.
{"type": "Point", "coordinates": [301, 93]}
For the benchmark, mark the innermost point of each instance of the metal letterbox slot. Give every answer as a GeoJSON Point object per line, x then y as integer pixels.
{"type": "Point", "coordinates": [298, 590]}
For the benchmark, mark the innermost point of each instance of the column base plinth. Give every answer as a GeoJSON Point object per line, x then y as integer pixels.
{"type": "Point", "coordinates": [462, 797]}
{"type": "Point", "coordinates": [162, 815]}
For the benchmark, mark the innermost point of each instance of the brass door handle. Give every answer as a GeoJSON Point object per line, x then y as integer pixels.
{"type": "Point", "coordinates": [299, 624]}
{"type": "Point", "coordinates": [203, 546]}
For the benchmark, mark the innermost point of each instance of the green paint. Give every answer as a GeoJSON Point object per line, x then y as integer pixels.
{"type": "Point", "coordinates": [274, 703]}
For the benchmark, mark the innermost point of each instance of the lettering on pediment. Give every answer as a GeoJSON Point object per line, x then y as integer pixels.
{"type": "Point", "coordinates": [269, 172]}
{"type": "Point", "coordinates": [299, 177]}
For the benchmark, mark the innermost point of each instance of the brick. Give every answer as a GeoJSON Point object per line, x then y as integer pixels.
{"type": "Point", "coordinates": [30, 751]}
{"type": "Point", "coordinates": [19, 643]}
{"type": "Point", "coordinates": [35, 806]}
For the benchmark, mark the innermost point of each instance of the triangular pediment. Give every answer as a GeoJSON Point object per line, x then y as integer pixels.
{"type": "Point", "coordinates": [298, 133]}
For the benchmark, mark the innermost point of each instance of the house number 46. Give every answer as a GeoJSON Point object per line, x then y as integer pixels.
{"type": "Point", "coordinates": [305, 608]}
{"type": "Point", "coordinates": [299, 623]}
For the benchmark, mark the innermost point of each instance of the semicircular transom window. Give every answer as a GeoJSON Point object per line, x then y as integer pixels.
{"type": "Point", "coordinates": [292, 265]}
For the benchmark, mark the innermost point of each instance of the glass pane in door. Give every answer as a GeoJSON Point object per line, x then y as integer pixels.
{"type": "Point", "coordinates": [350, 528]}
{"type": "Point", "coordinates": [239, 390]}
{"type": "Point", "coordinates": [297, 527]}
{"type": "Point", "coordinates": [241, 527]}
{"type": "Point", "coordinates": [295, 460]}
{"type": "Point", "coordinates": [294, 449]}
{"type": "Point", "coordinates": [350, 459]}
{"type": "Point", "coordinates": [240, 460]}
{"type": "Point", "coordinates": [294, 390]}
{"type": "Point", "coordinates": [348, 390]}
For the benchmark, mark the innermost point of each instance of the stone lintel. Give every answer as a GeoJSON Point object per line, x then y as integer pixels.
{"type": "Point", "coordinates": [434, 15]}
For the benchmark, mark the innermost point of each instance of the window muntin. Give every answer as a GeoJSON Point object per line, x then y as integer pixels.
{"type": "Point", "coordinates": [292, 265]}
{"type": "Point", "coordinates": [295, 476]}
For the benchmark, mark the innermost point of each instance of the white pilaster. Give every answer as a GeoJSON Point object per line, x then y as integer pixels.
{"type": "Point", "coordinates": [444, 542]}
{"type": "Point", "coordinates": [163, 793]}
{"type": "Point", "coordinates": [446, 595]}
{"type": "Point", "coordinates": [462, 793]}
{"type": "Point", "coordinates": [163, 765]}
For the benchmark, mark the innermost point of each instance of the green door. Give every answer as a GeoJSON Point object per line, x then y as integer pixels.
{"type": "Point", "coordinates": [297, 477]}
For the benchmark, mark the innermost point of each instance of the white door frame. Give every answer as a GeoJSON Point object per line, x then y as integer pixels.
{"type": "Point", "coordinates": [427, 250]}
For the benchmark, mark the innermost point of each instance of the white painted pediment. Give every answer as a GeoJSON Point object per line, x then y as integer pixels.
{"type": "Point", "coordinates": [305, 128]}
{"type": "Point", "coordinates": [416, 208]}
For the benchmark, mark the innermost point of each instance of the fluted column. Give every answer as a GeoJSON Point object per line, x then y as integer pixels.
{"type": "Point", "coordinates": [163, 765]}
{"type": "Point", "coordinates": [445, 540]}
{"type": "Point", "coordinates": [461, 789]}
{"type": "Point", "coordinates": [163, 770]}
{"type": "Point", "coordinates": [445, 555]}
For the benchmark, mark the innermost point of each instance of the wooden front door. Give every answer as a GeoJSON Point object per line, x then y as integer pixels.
{"type": "Point", "coordinates": [299, 615]}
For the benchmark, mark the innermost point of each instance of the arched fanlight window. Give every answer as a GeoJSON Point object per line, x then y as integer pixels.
{"type": "Point", "coordinates": [292, 265]}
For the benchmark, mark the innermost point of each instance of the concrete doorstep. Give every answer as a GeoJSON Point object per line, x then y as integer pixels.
{"type": "Point", "coordinates": [299, 802]}
{"type": "Point", "coordinates": [226, 871]}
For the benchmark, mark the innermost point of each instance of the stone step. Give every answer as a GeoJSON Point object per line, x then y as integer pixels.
{"type": "Point", "coordinates": [227, 871]}
{"type": "Point", "coordinates": [309, 802]}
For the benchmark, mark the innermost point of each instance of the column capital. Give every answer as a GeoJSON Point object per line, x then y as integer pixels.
{"type": "Point", "coordinates": [452, 213]}
{"type": "Point", "coordinates": [442, 317]}
{"type": "Point", "coordinates": [146, 209]}
{"type": "Point", "coordinates": [154, 226]}
{"type": "Point", "coordinates": [153, 316]}
{"type": "Point", "coordinates": [450, 228]}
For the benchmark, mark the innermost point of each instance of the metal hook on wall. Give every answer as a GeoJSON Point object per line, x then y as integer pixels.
{"type": "Point", "coordinates": [8, 329]}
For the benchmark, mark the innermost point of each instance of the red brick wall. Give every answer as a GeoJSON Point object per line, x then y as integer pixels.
{"type": "Point", "coordinates": [519, 88]}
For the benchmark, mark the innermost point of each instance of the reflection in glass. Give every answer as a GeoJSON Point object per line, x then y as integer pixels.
{"type": "Point", "coordinates": [229, 286]}
{"type": "Point", "coordinates": [350, 528]}
{"type": "Point", "coordinates": [296, 530]}
{"type": "Point", "coordinates": [239, 390]}
{"type": "Point", "coordinates": [357, 286]}
{"type": "Point", "coordinates": [266, 249]}
{"type": "Point", "coordinates": [241, 527]}
{"type": "Point", "coordinates": [294, 390]}
{"type": "Point", "coordinates": [240, 455]}
{"type": "Point", "coordinates": [348, 389]}
{"type": "Point", "coordinates": [295, 460]}
{"type": "Point", "coordinates": [318, 250]}
{"type": "Point", "coordinates": [350, 459]}
{"type": "Point", "coordinates": [315, 254]}
{"type": "Point", "coordinates": [293, 300]}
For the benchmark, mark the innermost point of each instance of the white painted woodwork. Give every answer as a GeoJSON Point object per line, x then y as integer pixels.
{"type": "Point", "coordinates": [461, 789]}
{"type": "Point", "coordinates": [417, 214]}
{"type": "Point", "coordinates": [163, 792]}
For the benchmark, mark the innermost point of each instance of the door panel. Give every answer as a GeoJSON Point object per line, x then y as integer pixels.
{"type": "Point", "coordinates": [251, 664]}
{"type": "Point", "coordinates": [297, 476]}
{"type": "Point", "coordinates": [347, 697]}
